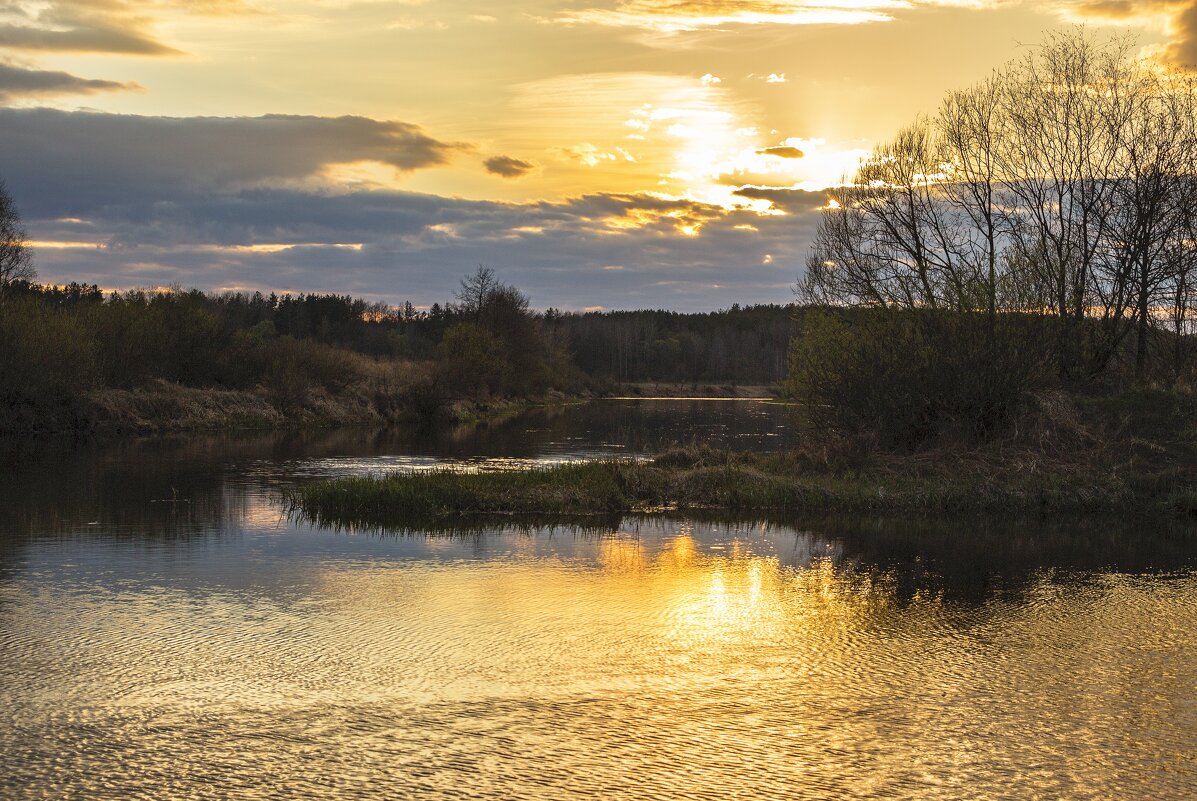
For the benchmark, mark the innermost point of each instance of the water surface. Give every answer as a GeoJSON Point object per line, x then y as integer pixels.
{"type": "Point", "coordinates": [166, 631]}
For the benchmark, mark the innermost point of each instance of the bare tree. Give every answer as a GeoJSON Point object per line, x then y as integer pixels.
{"type": "Point", "coordinates": [475, 290]}
{"type": "Point", "coordinates": [1063, 186]}
{"type": "Point", "coordinates": [970, 123]}
{"type": "Point", "coordinates": [16, 259]}
{"type": "Point", "coordinates": [844, 268]}
{"type": "Point", "coordinates": [1156, 156]}
{"type": "Point", "coordinates": [1061, 143]}
{"type": "Point", "coordinates": [889, 239]}
{"type": "Point", "coordinates": [1181, 284]}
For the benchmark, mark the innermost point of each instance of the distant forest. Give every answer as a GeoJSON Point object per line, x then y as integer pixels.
{"type": "Point", "coordinates": [740, 345]}
{"type": "Point", "coordinates": [76, 357]}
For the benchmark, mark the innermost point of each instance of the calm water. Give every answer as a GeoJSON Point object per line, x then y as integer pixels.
{"type": "Point", "coordinates": [166, 632]}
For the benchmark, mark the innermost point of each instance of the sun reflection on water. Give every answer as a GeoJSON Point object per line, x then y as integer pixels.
{"type": "Point", "coordinates": [669, 660]}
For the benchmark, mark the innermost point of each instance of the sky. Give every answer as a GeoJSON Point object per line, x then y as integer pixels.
{"type": "Point", "coordinates": [595, 153]}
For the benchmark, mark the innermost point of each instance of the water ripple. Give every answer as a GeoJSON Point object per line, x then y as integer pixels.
{"type": "Point", "coordinates": [666, 666]}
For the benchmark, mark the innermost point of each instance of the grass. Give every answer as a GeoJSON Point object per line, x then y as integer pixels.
{"type": "Point", "coordinates": [700, 479]}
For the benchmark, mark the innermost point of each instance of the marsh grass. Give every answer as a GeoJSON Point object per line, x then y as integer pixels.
{"type": "Point", "coordinates": [704, 480]}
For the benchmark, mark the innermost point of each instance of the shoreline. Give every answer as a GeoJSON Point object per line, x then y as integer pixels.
{"type": "Point", "coordinates": [661, 390]}
{"type": "Point", "coordinates": [162, 407]}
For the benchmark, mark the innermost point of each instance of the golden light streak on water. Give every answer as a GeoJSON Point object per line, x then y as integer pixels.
{"type": "Point", "coordinates": [678, 662]}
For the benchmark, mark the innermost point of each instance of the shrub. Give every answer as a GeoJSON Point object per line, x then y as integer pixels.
{"type": "Point", "coordinates": [903, 378]}
{"type": "Point", "coordinates": [47, 363]}
{"type": "Point", "coordinates": [471, 360]}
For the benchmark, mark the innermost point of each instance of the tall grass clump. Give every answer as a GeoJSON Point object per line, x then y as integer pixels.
{"type": "Point", "coordinates": [700, 479]}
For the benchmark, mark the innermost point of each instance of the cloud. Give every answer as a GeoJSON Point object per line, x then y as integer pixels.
{"type": "Point", "coordinates": [87, 153]}
{"type": "Point", "coordinates": [782, 151]}
{"type": "Point", "coordinates": [508, 167]}
{"type": "Point", "coordinates": [91, 39]}
{"type": "Point", "coordinates": [660, 18]}
{"type": "Point", "coordinates": [215, 8]}
{"type": "Point", "coordinates": [396, 246]}
{"type": "Point", "coordinates": [79, 26]}
{"type": "Point", "coordinates": [1120, 11]}
{"type": "Point", "coordinates": [20, 82]}
{"type": "Point", "coordinates": [100, 26]}
{"type": "Point", "coordinates": [791, 201]}
{"type": "Point", "coordinates": [1177, 18]}
{"type": "Point", "coordinates": [676, 16]}
{"type": "Point", "coordinates": [1183, 49]}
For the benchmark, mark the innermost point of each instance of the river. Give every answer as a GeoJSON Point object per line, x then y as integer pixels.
{"type": "Point", "coordinates": [169, 631]}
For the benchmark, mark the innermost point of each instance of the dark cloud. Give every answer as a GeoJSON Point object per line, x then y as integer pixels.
{"type": "Point", "coordinates": [782, 151]}
{"type": "Point", "coordinates": [17, 82]}
{"type": "Point", "coordinates": [193, 202]}
{"type": "Point", "coordinates": [615, 251]}
{"type": "Point", "coordinates": [791, 201]}
{"type": "Point", "coordinates": [87, 154]}
{"type": "Point", "coordinates": [93, 39]}
{"type": "Point", "coordinates": [508, 167]}
{"type": "Point", "coordinates": [100, 26]}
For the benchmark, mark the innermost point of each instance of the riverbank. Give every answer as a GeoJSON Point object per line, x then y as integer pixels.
{"type": "Point", "coordinates": [166, 407]}
{"type": "Point", "coordinates": [657, 389]}
{"type": "Point", "coordinates": [163, 407]}
{"type": "Point", "coordinates": [1134, 454]}
{"type": "Point", "coordinates": [79, 361]}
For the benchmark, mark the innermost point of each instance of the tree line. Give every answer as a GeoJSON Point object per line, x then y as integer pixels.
{"type": "Point", "coordinates": [740, 345]}
{"type": "Point", "coordinates": [1040, 226]}
{"type": "Point", "coordinates": [60, 343]}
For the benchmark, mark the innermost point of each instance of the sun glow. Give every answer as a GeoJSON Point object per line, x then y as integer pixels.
{"type": "Point", "coordinates": [672, 137]}
{"type": "Point", "coordinates": [44, 244]}
{"type": "Point", "coordinates": [681, 17]}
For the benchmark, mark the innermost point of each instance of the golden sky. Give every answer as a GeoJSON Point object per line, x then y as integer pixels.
{"type": "Point", "coordinates": [574, 144]}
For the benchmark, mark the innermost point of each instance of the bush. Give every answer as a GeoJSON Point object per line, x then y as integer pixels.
{"type": "Point", "coordinates": [901, 379]}
{"type": "Point", "coordinates": [471, 360]}
{"type": "Point", "coordinates": [47, 363]}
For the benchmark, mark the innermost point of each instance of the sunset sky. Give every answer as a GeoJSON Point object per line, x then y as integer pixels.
{"type": "Point", "coordinates": [596, 153]}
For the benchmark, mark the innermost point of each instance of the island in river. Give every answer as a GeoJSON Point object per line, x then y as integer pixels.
{"type": "Point", "coordinates": [1134, 456]}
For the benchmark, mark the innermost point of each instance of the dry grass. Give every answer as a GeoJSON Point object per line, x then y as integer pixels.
{"type": "Point", "coordinates": [373, 392]}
